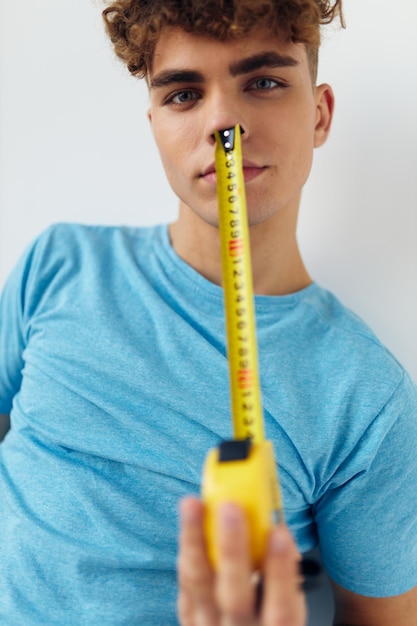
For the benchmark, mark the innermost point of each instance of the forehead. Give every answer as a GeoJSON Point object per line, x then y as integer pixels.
{"type": "Point", "coordinates": [180, 49]}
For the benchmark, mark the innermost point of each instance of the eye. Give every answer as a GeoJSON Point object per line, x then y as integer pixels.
{"type": "Point", "coordinates": [185, 96]}
{"type": "Point", "coordinates": [266, 84]}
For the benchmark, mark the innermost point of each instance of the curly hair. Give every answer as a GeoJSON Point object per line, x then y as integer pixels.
{"type": "Point", "coordinates": [135, 25]}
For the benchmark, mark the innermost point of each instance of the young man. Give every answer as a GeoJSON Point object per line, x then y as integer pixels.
{"type": "Point", "coordinates": [114, 368]}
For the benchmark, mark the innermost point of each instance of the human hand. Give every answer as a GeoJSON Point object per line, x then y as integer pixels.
{"type": "Point", "coordinates": [229, 596]}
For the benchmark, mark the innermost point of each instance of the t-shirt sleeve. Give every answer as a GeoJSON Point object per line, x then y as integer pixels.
{"type": "Point", "coordinates": [12, 341]}
{"type": "Point", "coordinates": [13, 322]}
{"type": "Point", "coordinates": [368, 525]}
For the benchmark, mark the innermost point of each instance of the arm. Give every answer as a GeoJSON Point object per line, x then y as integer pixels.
{"type": "Point", "coordinates": [230, 595]}
{"type": "Point", "coordinates": [356, 610]}
{"type": "Point", "coordinates": [4, 425]}
{"type": "Point", "coordinates": [367, 523]}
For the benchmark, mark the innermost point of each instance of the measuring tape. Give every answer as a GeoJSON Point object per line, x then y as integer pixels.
{"type": "Point", "coordinates": [243, 469]}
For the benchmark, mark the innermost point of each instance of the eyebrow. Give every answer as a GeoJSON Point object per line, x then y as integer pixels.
{"type": "Point", "coordinates": [258, 61]}
{"type": "Point", "coordinates": [238, 68]}
{"type": "Point", "coordinates": [169, 77]}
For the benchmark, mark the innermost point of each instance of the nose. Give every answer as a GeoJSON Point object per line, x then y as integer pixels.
{"type": "Point", "coordinates": [223, 112]}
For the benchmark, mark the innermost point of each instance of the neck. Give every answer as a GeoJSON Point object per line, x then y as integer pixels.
{"type": "Point", "coordinates": [277, 266]}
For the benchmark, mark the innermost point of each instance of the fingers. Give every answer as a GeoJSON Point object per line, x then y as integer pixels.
{"type": "Point", "coordinates": [235, 592]}
{"type": "Point", "coordinates": [283, 601]}
{"type": "Point", "coordinates": [228, 597]}
{"type": "Point", "coordinates": [196, 603]}
{"type": "Point", "coordinates": [205, 598]}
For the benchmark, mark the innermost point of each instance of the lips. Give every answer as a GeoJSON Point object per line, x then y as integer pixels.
{"type": "Point", "coordinates": [250, 170]}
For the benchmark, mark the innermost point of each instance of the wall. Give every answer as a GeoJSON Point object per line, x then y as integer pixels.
{"type": "Point", "coordinates": [75, 145]}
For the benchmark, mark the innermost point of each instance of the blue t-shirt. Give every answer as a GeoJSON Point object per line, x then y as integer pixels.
{"type": "Point", "coordinates": [113, 367]}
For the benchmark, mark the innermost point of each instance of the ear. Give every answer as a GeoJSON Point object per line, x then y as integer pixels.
{"type": "Point", "coordinates": [324, 114]}
{"type": "Point", "coordinates": [149, 114]}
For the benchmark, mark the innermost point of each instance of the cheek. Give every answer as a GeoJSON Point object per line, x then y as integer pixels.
{"type": "Point", "coordinates": [176, 164]}
{"type": "Point", "coordinates": [164, 146]}
{"type": "Point", "coordinates": [173, 149]}
{"type": "Point", "coordinates": [300, 144]}
{"type": "Point", "coordinates": [170, 158]}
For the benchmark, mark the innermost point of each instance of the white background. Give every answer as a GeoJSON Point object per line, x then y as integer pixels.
{"type": "Point", "coordinates": [75, 145]}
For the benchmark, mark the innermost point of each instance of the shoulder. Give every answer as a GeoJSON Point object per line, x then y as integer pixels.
{"type": "Point", "coordinates": [337, 317]}
{"type": "Point", "coordinates": [360, 390]}
{"type": "Point", "coordinates": [84, 236]}
{"type": "Point", "coordinates": [66, 255]}
{"type": "Point", "coordinates": [65, 245]}
{"type": "Point", "coordinates": [348, 345]}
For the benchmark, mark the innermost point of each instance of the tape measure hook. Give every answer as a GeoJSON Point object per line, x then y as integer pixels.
{"type": "Point", "coordinates": [227, 137]}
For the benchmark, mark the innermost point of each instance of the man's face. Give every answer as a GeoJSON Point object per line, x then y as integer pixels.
{"type": "Point", "coordinates": [199, 85]}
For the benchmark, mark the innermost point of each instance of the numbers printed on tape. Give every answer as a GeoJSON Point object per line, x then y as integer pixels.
{"type": "Point", "coordinates": [239, 470]}
{"type": "Point", "coordinates": [238, 291]}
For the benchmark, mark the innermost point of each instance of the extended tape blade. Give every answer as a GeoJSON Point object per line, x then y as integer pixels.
{"type": "Point", "coordinates": [247, 414]}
